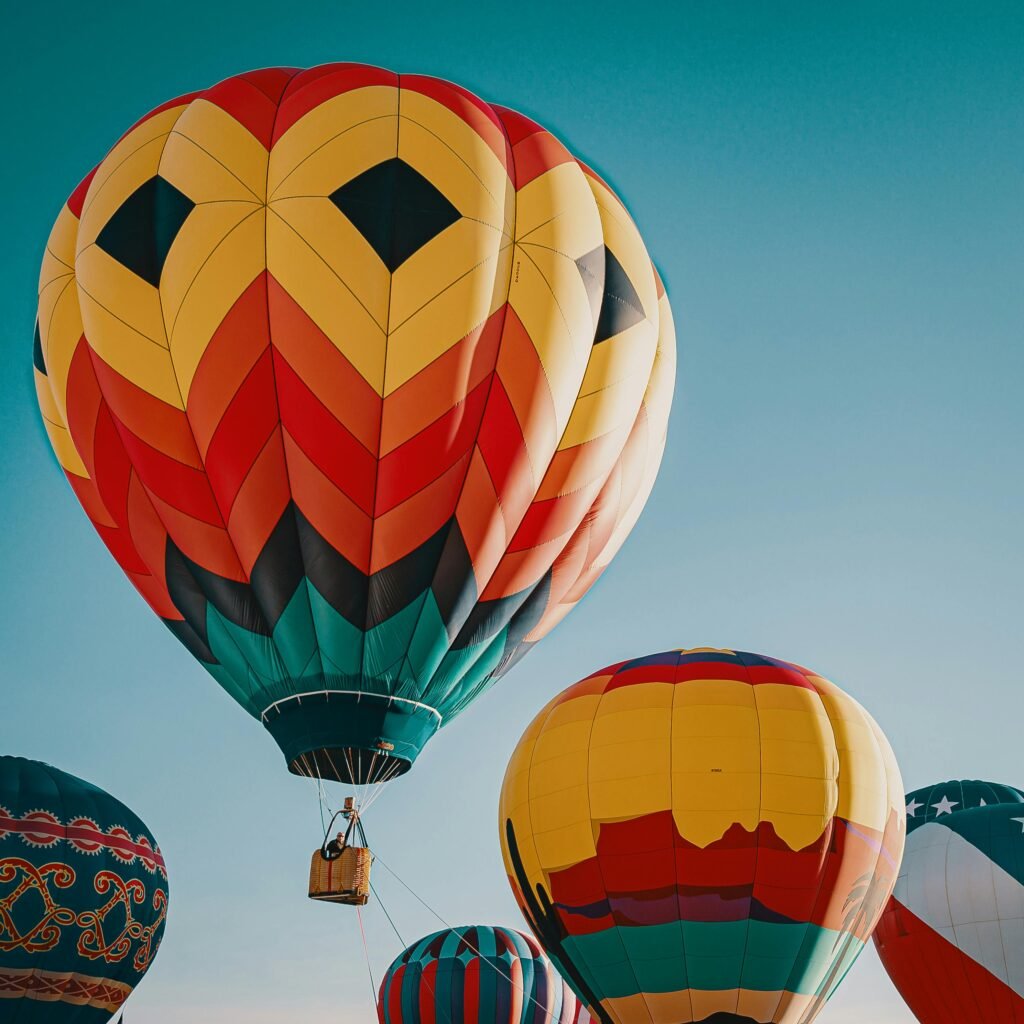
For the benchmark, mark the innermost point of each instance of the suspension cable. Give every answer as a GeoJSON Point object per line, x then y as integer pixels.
{"type": "Point", "coordinates": [423, 977]}
{"type": "Point", "coordinates": [366, 954]}
{"type": "Point", "coordinates": [492, 963]}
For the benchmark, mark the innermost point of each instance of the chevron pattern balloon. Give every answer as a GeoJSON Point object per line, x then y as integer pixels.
{"type": "Point", "coordinates": [702, 835]}
{"type": "Point", "coordinates": [83, 897]}
{"type": "Point", "coordinates": [363, 381]}
{"type": "Point", "coordinates": [475, 975]}
{"type": "Point", "coordinates": [952, 935]}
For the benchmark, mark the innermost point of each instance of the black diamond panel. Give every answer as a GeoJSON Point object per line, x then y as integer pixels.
{"type": "Point", "coordinates": [621, 307]}
{"type": "Point", "coordinates": [140, 234]}
{"type": "Point", "coordinates": [591, 268]}
{"type": "Point", "coordinates": [395, 209]}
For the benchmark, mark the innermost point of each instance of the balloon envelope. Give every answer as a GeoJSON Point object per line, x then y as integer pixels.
{"type": "Point", "coordinates": [83, 897]}
{"type": "Point", "coordinates": [702, 835]}
{"type": "Point", "coordinates": [475, 975]}
{"type": "Point", "coordinates": [952, 935]}
{"type": "Point", "coordinates": [363, 381]}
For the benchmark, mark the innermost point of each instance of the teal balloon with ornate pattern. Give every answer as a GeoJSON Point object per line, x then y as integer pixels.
{"type": "Point", "coordinates": [83, 897]}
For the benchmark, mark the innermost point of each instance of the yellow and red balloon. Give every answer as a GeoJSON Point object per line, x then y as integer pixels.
{"type": "Point", "coordinates": [703, 835]}
{"type": "Point", "coordinates": [363, 381]}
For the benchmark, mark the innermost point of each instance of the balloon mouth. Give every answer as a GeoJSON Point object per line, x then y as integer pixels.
{"type": "Point", "coordinates": [349, 736]}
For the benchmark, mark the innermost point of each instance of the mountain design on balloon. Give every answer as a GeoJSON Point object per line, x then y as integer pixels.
{"type": "Point", "coordinates": [363, 381]}
{"type": "Point", "coordinates": [775, 897]}
{"type": "Point", "coordinates": [703, 836]}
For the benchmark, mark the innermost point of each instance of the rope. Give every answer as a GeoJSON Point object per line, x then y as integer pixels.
{"type": "Point", "coordinates": [430, 989]}
{"type": "Point", "coordinates": [493, 963]}
{"type": "Point", "coordinates": [366, 954]}
{"type": "Point", "coordinates": [376, 896]}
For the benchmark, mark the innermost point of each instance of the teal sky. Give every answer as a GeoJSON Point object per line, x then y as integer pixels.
{"type": "Point", "coordinates": [835, 197]}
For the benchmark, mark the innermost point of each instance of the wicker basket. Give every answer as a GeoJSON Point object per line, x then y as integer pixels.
{"type": "Point", "coordinates": [345, 879]}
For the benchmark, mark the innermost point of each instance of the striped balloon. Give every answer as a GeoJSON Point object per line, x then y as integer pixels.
{"type": "Point", "coordinates": [952, 935]}
{"type": "Point", "coordinates": [475, 975]}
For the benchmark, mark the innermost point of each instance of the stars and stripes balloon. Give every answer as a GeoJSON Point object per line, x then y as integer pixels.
{"type": "Point", "coordinates": [475, 975]}
{"type": "Point", "coordinates": [83, 897]}
{"type": "Point", "coordinates": [702, 835]}
{"type": "Point", "coordinates": [363, 381]}
{"type": "Point", "coordinates": [952, 935]}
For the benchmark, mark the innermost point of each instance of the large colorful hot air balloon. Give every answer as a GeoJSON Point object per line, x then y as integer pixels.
{"type": "Point", "coordinates": [475, 975]}
{"type": "Point", "coordinates": [363, 382]}
{"type": "Point", "coordinates": [702, 835]}
{"type": "Point", "coordinates": [83, 897]}
{"type": "Point", "coordinates": [952, 935]}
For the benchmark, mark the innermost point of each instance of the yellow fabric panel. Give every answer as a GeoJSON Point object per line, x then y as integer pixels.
{"type": "Point", "coordinates": [148, 137]}
{"type": "Point", "coordinates": [349, 123]}
{"type": "Point", "coordinates": [441, 265]}
{"type": "Point", "coordinates": [548, 296]}
{"type": "Point", "coordinates": [556, 210]}
{"type": "Point", "coordinates": [140, 359]}
{"type": "Point", "coordinates": [44, 396]}
{"type": "Point", "coordinates": [864, 754]}
{"type": "Point", "coordinates": [546, 791]}
{"type": "Point", "coordinates": [64, 448]}
{"type": "Point", "coordinates": [440, 294]}
{"type": "Point", "coordinates": [601, 412]}
{"type": "Point", "coordinates": [559, 807]}
{"type": "Point", "coordinates": [342, 248]}
{"type": "Point", "coordinates": [336, 161]}
{"type": "Point", "coordinates": [134, 301]}
{"type": "Point", "coordinates": [59, 257]}
{"type": "Point", "coordinates": [546, 290]}
{"type": "Point", "coordinates": [657, 403]}
{"type": "Point", "coordinates": [630, 752]}
{"type": "Point", "coordinates": [896, 790]}
{"type": "Point", "coordinates": [863, 785]}
{"type": "Point", "coordinates": [206, 136]}
{"type": "Point", "coordinates": [229, 269]}
{"type": "Point", "coordinates": [327, 300]}
{"type": "Point", "coordinates": [566, 727]}
{"type": "Point", "coordinates": [60, 330]}
{"type": "Point", "coordinates": [207, 228]}
{"type": "Point", "coordinates": [799, 763]}
{"type": "Point", "coordinates": [450, 154]}
{"type": "Point", "coordinates": [629, 355]}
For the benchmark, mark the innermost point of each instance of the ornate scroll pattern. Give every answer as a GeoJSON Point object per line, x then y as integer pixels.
{"type": "Point", "coordinates": [104, 934]}
{"type": "Point", "coordinates": [114, 945]}
{"type": "Point", "coordinates": [46, 932]}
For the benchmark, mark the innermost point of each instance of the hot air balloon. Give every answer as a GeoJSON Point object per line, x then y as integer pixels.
{"type": "Point", "coordinates": [475, 975]}
{"type": "Point", "coordinates": [363, 381]}
{"type": "Point", "coordinates": [702, 835]}
{"type": "Point", "coordinates": [952, 935]}
{"type": "Point", "coordinates": [83, 897]}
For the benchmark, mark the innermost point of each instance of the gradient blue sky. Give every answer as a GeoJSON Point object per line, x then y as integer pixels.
{"type": "Point", "coordinates": [834, 196]}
